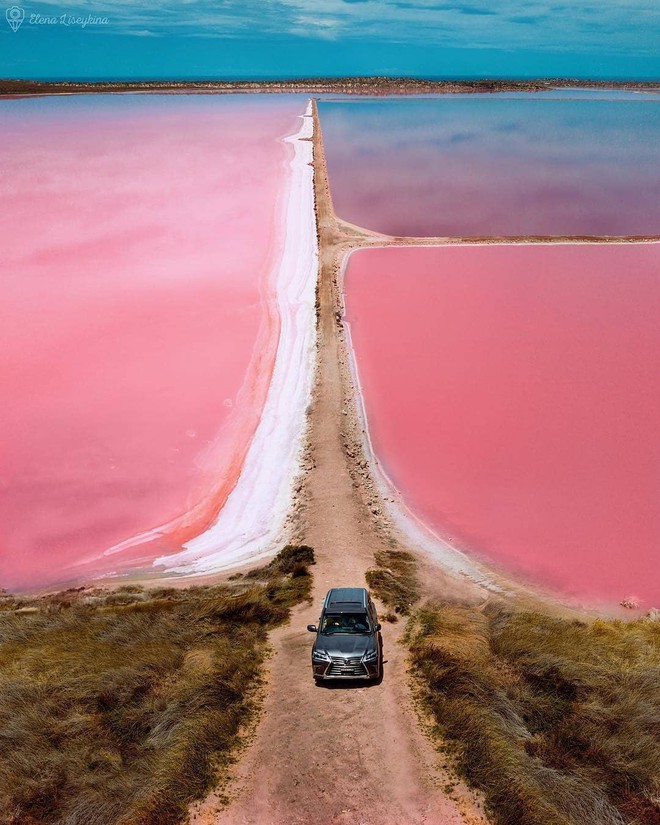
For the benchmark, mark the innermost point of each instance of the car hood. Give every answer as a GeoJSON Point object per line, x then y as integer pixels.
{"type": "Point", "coordinates": [345, 644]}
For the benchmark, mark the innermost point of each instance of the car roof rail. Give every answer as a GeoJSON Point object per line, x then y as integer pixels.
{"type": "Point", "coordinates": [347, 598]}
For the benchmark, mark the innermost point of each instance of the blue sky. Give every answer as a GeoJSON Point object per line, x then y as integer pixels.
{"type": "Point", "coordinates": [293, 38]}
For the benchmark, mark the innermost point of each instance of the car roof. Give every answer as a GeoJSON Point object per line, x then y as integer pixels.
{"type": "Point", "coordinates": [347, 599]}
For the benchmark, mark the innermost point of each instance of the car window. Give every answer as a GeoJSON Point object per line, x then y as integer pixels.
{"type": "Point", "coordinates": [345, 623]}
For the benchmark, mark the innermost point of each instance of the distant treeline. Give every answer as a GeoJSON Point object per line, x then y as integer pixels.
{"type": "Point", "coordinates": [337, 85]}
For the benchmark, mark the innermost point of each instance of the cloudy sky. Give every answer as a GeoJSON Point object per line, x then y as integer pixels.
{"type": "Point", "coordinates": [276, 38]}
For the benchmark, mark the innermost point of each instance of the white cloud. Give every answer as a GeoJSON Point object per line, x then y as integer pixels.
{"type": "Point", "coordinates": [590, 25]}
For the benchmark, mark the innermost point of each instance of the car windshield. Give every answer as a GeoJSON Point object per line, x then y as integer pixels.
{"type": "Point", "coordinates": [345, 623]}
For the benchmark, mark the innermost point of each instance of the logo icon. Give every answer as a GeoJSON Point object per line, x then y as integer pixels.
{"type": "Point", "coordinates": [15, 16]}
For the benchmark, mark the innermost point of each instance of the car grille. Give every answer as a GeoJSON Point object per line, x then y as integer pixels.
{"type": "Point", "coordinates": [346, 667]}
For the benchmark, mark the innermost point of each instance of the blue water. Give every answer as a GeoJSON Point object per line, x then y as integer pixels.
{"type": "Point", "coordinates": [563, 163]}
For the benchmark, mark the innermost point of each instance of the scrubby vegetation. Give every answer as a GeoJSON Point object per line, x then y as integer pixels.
{"type": "Point", "coordinates": [557, 721]}
{"type": "Point", "coordinates": [117, 707]}
{"type": "Point", "coordinates": [394, 580]}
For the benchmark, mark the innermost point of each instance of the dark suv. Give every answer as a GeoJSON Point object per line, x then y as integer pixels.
{"type": "Point", "coordinates": [348, 642]}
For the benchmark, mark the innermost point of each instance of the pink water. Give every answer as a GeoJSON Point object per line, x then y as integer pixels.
{"type": "Point", "coordinates": [512, 397]}
{"type": "Point", "coordinates": [137, 323]}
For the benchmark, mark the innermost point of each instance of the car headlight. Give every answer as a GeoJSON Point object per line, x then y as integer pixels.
{"type": "Point", "coordinates": [370, 655]}
{"type": "Point", "coordinates": [320, 656]}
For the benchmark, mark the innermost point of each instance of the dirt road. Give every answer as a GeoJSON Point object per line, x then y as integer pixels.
{"type": "Point", "coordinates": [338, 755]}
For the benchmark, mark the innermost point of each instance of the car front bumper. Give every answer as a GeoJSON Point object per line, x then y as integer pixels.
{"type": "Point", "coordinates": [345, 669]}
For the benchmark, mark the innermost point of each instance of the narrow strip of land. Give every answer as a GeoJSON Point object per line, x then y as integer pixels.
{"type": "Point", "coordinates": [324, 755]}
{"type": "Point", "coordinates": [372, 86]}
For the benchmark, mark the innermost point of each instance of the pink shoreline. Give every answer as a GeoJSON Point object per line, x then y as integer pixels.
{"type": "Point", "coordinates": [253, 522]}
{"type": "Point", "coordinates": [114, 348]}
{"type": "Point", "coordinates": [449, 486]}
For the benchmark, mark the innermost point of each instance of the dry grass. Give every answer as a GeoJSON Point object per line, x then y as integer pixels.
{"type": "Point", "coordinates": [394, 580]}
{"type": "Point", "coordinates": [557, 721]}
{"type": "Point", "coordinates": [118, 707]}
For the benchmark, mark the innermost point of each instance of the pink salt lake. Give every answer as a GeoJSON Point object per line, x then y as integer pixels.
{"type": "Point", "coordinates": [512, 398]}
{"type": "Point", "coordinates": [137, 324]}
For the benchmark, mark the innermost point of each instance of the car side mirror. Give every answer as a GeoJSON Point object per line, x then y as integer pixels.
{"type": "Point", "coordinates": [312, 628]}
{"type": "Point", "coordinates": [377, 628]}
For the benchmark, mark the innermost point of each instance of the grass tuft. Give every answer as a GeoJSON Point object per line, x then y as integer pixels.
{"type": "Point", "coordinates": [118, 707]}
{"type": "Point", "coordinates": [557, 721]}
{"type": "Point", "coordinates": [394, 581]}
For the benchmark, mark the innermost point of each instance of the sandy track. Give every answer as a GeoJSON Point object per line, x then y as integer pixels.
{"type": "Point", "coordinates": [338, 755]}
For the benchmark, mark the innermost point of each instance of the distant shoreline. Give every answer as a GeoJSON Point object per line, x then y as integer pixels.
{"type": "Point", "coordinates": [339, 85]}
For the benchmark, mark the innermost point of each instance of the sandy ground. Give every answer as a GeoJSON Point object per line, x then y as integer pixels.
{"type": "Point", "coordinates": [340, 754]}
